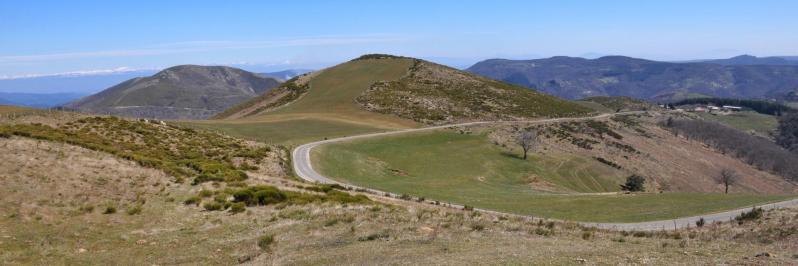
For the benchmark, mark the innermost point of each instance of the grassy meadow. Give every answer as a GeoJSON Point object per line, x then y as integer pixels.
{"type": "Point", "coordinates": [746, 121]}
{"type": "Point", "coordinates": [469, 170]}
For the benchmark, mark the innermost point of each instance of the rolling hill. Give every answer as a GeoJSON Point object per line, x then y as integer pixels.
{"type": "Point", "coordinates": [395, 88]}
{"type": "Point", "coordinates": [576, 78]}
{"type": "Point", "coordinates": [180, 92]}
{"type": "Point", "coordinates": [380, 92]}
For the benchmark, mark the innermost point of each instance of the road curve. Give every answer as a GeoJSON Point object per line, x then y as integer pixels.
{"type": "Point", "coordinates": [304, 169]}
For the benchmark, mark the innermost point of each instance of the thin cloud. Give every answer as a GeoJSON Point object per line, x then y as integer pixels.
{"type": "Point", "coordinates": [79, 73]}
{"type": "Point", "coordinates": [202, 46]}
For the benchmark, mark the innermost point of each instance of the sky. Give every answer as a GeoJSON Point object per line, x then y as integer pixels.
{"type": "Point", "coordinates": [84, 37]}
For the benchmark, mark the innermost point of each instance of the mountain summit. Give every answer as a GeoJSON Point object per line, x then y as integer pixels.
{"type": "Point", "coordinates": [180, 92]}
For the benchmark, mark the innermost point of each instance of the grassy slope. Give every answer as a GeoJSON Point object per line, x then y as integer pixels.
{"type": "Point", "coordinates": [746, 121]}
{"type": "Point", "coordinates": [327, 110]}
{"type": "Point", "coordinates": [290, 132]}
{"type": "Point", "coordinates": [467, 169]}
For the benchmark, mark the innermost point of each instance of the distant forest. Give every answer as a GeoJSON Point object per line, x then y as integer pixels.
{"type": "Point", "coordinates": [759, 106]}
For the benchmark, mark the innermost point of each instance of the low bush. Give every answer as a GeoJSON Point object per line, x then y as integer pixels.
{"type": "Point", "coordinates": [264, 242]}
{"type": "Point", "coordinates": [753, 214]}
{"type": "Point", "coordinates": [109, 210]}
{"type": "Point", "coordinates": [238, 207]}
{"type": "Point", "coordinates": [374, 236]}
{"type": "Point", "coordinates": [192, 200]}
{"type": "Point", "coordinates": [700, 222]}
{"type": "Point", "coordinates": [134, 210]}
{"type": "Point", "coordinates": [212, 206]}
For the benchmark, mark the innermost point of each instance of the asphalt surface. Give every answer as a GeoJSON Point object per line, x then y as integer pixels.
{"type": "Point", "coordinates": [304, 169]}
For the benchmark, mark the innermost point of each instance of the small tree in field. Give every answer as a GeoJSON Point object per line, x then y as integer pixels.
{"type": "Point", "coordinates": [634, 183]}
{"type": "Point", "coordinates": [527, 140]}
{"type": "Point", "coordinates": [727, 177]}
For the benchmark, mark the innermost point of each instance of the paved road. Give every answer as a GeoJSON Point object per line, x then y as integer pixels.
{"type": "Point", "coordinates": [304, 169]}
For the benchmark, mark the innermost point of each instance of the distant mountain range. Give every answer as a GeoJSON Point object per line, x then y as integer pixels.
{"type": "Point", "coordinates": [286, 74]}
{"type": "Point", "coordinates": [80, 84]}
{"type": "Point", "coordinates": [37, 100]}
{"type": "Point", "coordinates": [180, 92]}
{"type": "Point", "coordinates": [753, 60]}
{"type": "Point", "coordinates": [576, 78]}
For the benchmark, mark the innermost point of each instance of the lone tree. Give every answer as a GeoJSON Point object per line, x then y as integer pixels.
{"type": "Point", "coordinates": [634, 183]}
{"type": "Point", "coordinates": [727, 177]}
{"type": "Point", "coordinates": [527, 140]}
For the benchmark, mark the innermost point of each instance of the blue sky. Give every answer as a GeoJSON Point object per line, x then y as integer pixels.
{"type": "Point", "coordinates": [45, 37]}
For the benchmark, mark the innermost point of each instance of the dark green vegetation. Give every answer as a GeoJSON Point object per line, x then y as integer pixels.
{"type": "Point", "coordinates": [436, 94]}
{"type": "Point", "coordinates": [180, 92]}
{"type": "Point", "coordinates": [759, 106]}
{"type": "Point", "coordinates": [178, 151]}
{"type": "Point", "coordinates": [756, 151]}
{"type": "Point", "coordinates": [634, 183]}
{"type": "Point", "coordinates": [752, 215]}
{"type": "Point", "coordinates": [237, 198]}
{"type": "Point", "coordinates": [577, 78]}
{"type": "Point", "coordinates": [469, 170]}
{"type": "Point", "coordinates": [787, 135]}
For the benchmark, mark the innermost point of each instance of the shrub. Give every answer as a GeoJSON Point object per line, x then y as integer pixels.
{"type": "Point", "coordinates": [634, 183]}
{"type": "Point", "coordinates": [205, 193]}
{"type": "Point", "coordinates": [700, 222]}
{"type": "Point", "coordinates": [586, 235]}
{"type": "Point", "coordinates": [238, 207]}
{"type": "Point", "coordinates": [642, 234]}
{"type": "Point", "coordinates": [192, 200]}
{"type": "Point", "coordinates": [468, 208]}
{"type": "Point", "coordinates": [259, 195]}
{"type": "Point", "coordinates": [374, 236]}
{"type": "Point", "coordinates": [264, 242]}
{"type": "Point", "coordinates": [109, 210]}
{"type": "Point", "coordinates": [134, 210]}
{"type": "Point", "coordinates": [212, 206]}
{"type": "Point", "coordinates": [751, 215]}
{"type": "Point", "coordinates": [477, 227]}
{"type": "Point", "coordinates": [543, 232]}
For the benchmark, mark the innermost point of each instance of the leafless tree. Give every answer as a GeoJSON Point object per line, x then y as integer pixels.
{"type": "Point", "coordinates": [527, 140]}
{"type": "Point", "coordinates": [727, 177]}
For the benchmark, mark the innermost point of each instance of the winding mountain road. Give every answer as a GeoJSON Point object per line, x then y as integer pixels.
{"type": "Point", "coordinates": [304, 169]}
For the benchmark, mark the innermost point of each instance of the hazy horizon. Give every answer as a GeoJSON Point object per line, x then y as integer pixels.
{"type": "Point", "coordinates": [43, 39]}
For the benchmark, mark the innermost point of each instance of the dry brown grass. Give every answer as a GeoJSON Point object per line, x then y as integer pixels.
{"type": "Point", "coordinates": [672, 163]}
